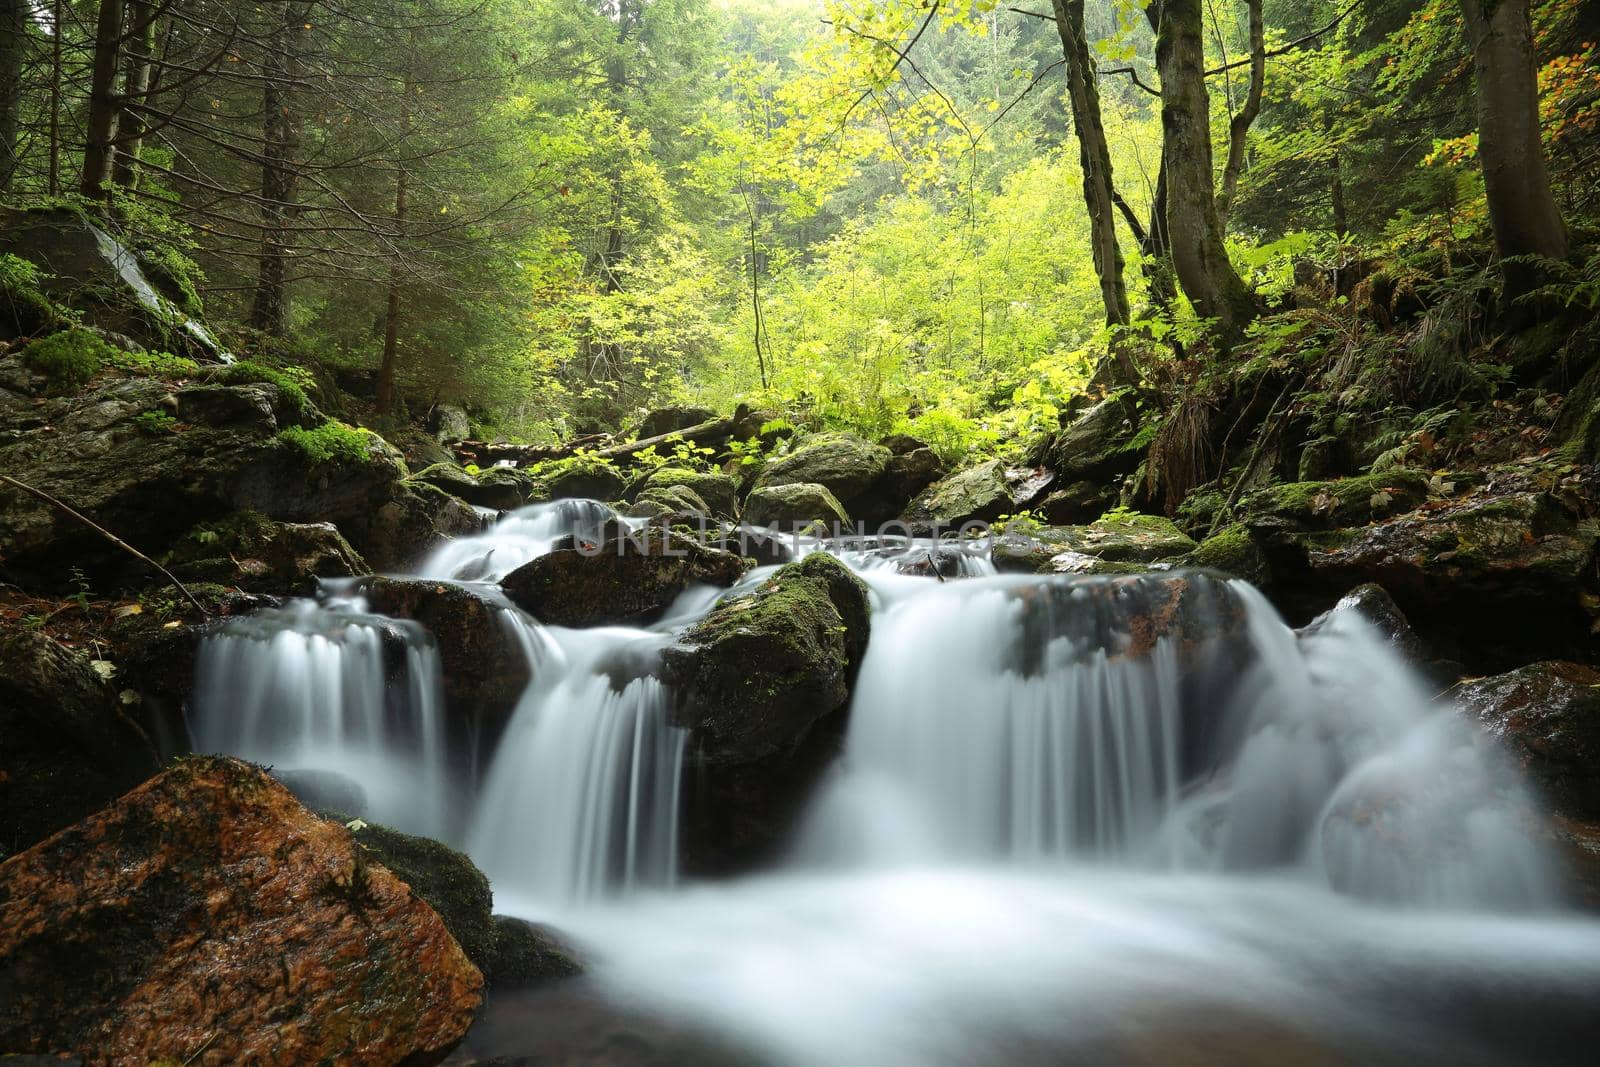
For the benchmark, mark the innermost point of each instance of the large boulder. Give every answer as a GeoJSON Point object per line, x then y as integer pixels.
{"type": "Point", "coordinates": [671, 419]}
{"type": "Point", "coordinates": [208, 913]}
{"type": "Point", "coordinates": [148, 463]}
{"type": "Point", "coordinates": [1097, 446]}
{"type": "Point", "coordinates": [1232, 551]}
{"type": "Point", "coordinates": [799, 506]}
{"type": "Point", "coordinates": [1328, 505]}
{"type": "Point", "coordinates": [977, 494]}
{"type": "Point", "coordinates": [68, 747]}
{"type": "Point", "coordinates": [84, 267]}
{"type": "Point", "coordinates": [449, 424]}
{"type": "Point", "coordinates": [500, 488]}
{"type": "Point", "coordinates": [623, 576]}
{"type": "Point", "coordinates": [252, 552]}
{"type": "Point", "coordinates": [719, 491]}
{"type": "Point", "coordinates": [848, 466]}
{"type": "Point", "coordinates": [412, 522]}
{"type": "Point", "coordinates": [906, 475]}
{"type": "Point", "coordinates": [582, 477]}
{"type": "Point", "coordinates": [1547, 715]}
{"type": "Point", "coordinates": [445, 879]}
{"type": "Point", "coordinates": [485, 666]}
{"type": "Point", "coordinates": [759, 683]}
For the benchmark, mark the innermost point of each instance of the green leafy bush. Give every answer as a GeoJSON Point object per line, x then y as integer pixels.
{"type": "Point", "coordinates": [70, 358]}
{"type": "Point", "coordinates": [333, 442]}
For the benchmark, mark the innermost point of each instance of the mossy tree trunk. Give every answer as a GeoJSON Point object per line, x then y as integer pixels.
{"type": "Point", "coordinates": [13, 45]}
{"type": "Point", "coordinates": [138, 61]}
{"type": "Point", "coordinates": [105, 102]}
{"type": "Point", "coordinates": [280, 175]}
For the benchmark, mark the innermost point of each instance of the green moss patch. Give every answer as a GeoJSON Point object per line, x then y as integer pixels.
{"type": "Point", "coordinates": [70, 358]}
{"type": "Point", "coordinates": [333, 442]}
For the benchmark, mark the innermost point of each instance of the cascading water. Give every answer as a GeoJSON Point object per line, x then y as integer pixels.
{"type": "Point", "coordinates": [1074, 822]}
{"type": "Point", "coordinates": [332, 690]}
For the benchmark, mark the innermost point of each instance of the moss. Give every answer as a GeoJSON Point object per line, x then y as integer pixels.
{"type": "Point", "coordinates": [580, 476]}
{"type": "Point", "coordinates": [444, 878]}
{"type": "Point", "coordinates": [1231, 551]}
{"type": "Point", "coordinates": [717, 490]}
{"type": "Point", "coordinates": [527, 955]}
{"type": "Point", "coordinates": [333, 442]}
{"type": "Point", "coordinates": [23, 305]}
{"type": "Point", "coordinates": [155, 423]}
{"type": "Point", "coordinates": [1344, 502]}
{"type": "Point", "coordinates": [68, 359]}
{"type": "Point", "coordinates": [176, 275]}
{"type": "Point", "coordinates": [156, 364]}
{"type": "Point", "coordinates": [247, 371]}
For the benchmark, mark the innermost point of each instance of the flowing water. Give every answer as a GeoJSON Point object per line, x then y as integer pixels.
{"type": "Point", "coordinates": [1068, 825]}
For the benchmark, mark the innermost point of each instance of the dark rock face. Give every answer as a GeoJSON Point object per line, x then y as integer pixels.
{"type": "Point", "coordinates": [906, 475]}
{"type": "Point", "coordinates": [447, 881]}
{"type": "Point", "coordinates": [846, 465]}
{"type": "Point", "coordinates": [719, 492]}
{"type": "Point", "coordinates": [977, 494]}
{"type": "Point", "coordinates": [208, 910]}
{"type": "Point", "coordinates": [501, 488]}
{"type": "Point", "coordinates": [254, 553]}
{"type": "Point", "coordinates": [798, 506]}
{"type": "Point", "coordinates": [68, 749]}
{"type": "Point", "coordinates": [412, 522]}
{"type": "Point", "coordinates": [759, 682]}
{"type": "Point", "coordinates": [1095, 447]}
{"type": "Point", "coordinates": [92, 452]}
{"type": "Point", "coordinates": [622, 577]}
{"type": "Point", "coordinates": [1548, 716]}
{"type": "Point", "coordinates": [528, 955]}
{"type": "Point", "coordinates": [485, 669]}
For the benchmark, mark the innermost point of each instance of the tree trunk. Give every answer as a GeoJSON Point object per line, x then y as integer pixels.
{"type": "Point", "coordinates": [280, 136]}
{"type": "Point", "coordinates": [13, 44]}
{"type": "Point", "coordinates": [137, 60]}
{"type": "Point", "coordinates": [391, 318]}
{"type": "Point", "coordinates": [1522, 208]}
{"type": "Point", "coordinates": [1095, 158]}
{"type": "Point", "coordinates": [1239, 128]}
{"type": "Point", "coordinates": [1193, 227]}
{"type": "Point", "coordinates": [55, 98]}
{"type": "Point", "coordinates": [104, 102]}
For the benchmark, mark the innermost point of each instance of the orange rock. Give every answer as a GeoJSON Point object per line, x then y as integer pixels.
{"type": "Point", "coordinates": [207, 918]}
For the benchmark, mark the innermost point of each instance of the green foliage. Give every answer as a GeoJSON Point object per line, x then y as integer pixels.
{"type": "Point", "coordinates": [334, 443]}
{"type": "Point", "coordinates": [70, 358]}
{"type": "Point", "coordinates": [155, 364]}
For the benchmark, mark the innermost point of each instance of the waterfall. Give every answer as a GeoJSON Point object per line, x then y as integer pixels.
{"type": "Point", "coordinates": [332, 690]}
{"type": "Point", "coordinates": [582, 798]}
{"type": "Point", "coordinates": [515, 539]}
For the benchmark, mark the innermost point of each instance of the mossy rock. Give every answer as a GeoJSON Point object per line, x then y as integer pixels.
{"type": "Point", "coordinates": [1326, 505]}
{"type": "Point", "coordinates": [1232, 551]}
{"type": "Point", "coordinates": [719, 491]}
{"type": "Point", "coordinates": [25, 311]}
{"type": "Point", "coordinates": [1125, 538]}
{"type": "Point", "coordinates": [756, 674]}
{"type": "Point", "coordinates": [847, 465]}
{"type": "Point", "coordinates": [581, 477]}
{"type": "Point", "coordinates": [67, 360]}
{"type": "Point", "coordinates": [446, 879]}
{"type": "Point", "coordinates": [501, 488]}
{"type": "Point", "coordinates": [798, 506]}
{"type": "Point", "coordinates": [258, 554]}
{"type": "Point", "coordinates": [527, 955]}
{"type": "Point", "coordinates": [977, 494]}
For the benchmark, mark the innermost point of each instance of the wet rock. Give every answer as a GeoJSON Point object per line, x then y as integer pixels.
{"type": "Point", "coordinates": [582, 477]}
{"type": "Point", "coordinates": [500, 488]}
{"type": "Point", "coordinates": [905, 476]}
{"type": "Point", "coordinates": [68, 748]}
{"type": "Point", "coordinates": [412, 522]}
{"type": "Point", "coordinates": [759, 683]}
{"type": "Point", "coordinates": [1077, 503]}
{"type": "Point", "coordinates": [1460, 570]}
{"type": "Point", "coordinates": [846, 465]}
{"type": "Point", "coordinates": [255, 553]}
{"type": "Point", "coordinates": [718, 490]}
{"type": "Point", "coordinates": [1115, 539]}
{"type": "Point", "coordinates": [527, 955]}
{"type": "Point", "coordinates": [1548, 716]}
{"type": "Point", "coordinates": [485, 668]}
{"type": "Point", "coordinates": [797, 506]}
{"type": "Point", "coordinates": [977, 494]}
{"type": "Point", "coordinates": [445, 879]}
{"type": "Point", "coordinates": [1378, 608]}
{"type": "Point", "coordinates": [623, 576]}
{"type": "Point", "coordinates": [208, 917]}
{"type": "Point", "coordinates": [674, 505]}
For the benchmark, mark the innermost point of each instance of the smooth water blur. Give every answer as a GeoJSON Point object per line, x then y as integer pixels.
{"type": "Point", "coordinates": [1066, 827]}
